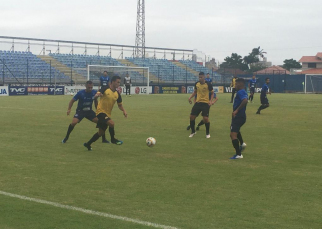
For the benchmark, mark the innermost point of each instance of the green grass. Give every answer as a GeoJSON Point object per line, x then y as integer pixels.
{"type": "Point", "coordinates": [181, 182]}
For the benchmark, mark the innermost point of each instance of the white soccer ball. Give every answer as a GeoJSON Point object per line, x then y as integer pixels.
{"type": "Point", "coordinates": [150, 141]}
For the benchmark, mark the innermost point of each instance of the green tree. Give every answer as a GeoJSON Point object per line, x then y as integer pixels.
{"type": "Point", "coordinates": [235, 61]}
{"type": "Point", "coordinates": [290, 63]}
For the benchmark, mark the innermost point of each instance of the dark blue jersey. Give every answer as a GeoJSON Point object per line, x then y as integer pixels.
{"type": "Point", "coordinates": [240, 96]}
{"type": "Point", "coordinates": [214, 95]}
{"type": "Point", "coordinates": [104, 81]}
{"type": "Point", "coordinates": [85, 100]}
{"type": "Point", "coordinates": [264, 90]}
{"type": "Point", "coordinates": [208, 80]}
{"type": "Point", "coordinates": [252, 83]}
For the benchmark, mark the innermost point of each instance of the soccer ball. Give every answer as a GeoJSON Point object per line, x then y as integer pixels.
{"type": "Point", "coordinates": [150, 141]}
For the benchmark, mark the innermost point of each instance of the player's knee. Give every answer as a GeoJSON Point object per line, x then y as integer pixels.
{"type": "Point", "coordinates": [205, 119]}
{"type": "Point", "coordinates": [101, 132]}
{"type": "Point", "coordinates": [74, 123]}
{"type": "Point", "coordinates": [192, 118]}
{"type": "Point", "coordinates": [111, 124]}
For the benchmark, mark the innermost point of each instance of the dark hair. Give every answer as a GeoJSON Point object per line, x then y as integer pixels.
{"type": "Point", "coordinates": [240, 80]}
{"type": "Point", "coordinates": [105, 71]}
{"type": "Point", "coordinates": [201, 73]}
{"type": "Point", "coordinates": [114, 78]}
{"type": "Point", "coordinates": [89, 82]}
{"type": "Point", "coordinates": [267, 79]}
{"type": "Point", "coordinates": [208, 73]}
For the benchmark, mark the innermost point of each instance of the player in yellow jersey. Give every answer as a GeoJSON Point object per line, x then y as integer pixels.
{"type": "Point", "coordinates": [233, 91]}
{"type": "Point", "coordinates": [108, 97]}
{"type": "Point", "coordinates": [203, 103]}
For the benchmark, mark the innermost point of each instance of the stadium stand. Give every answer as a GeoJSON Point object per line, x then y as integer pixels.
{"type": "Point", "coordinates": [23, 65]}
{"type": "Point", "coordinates": [199, 68]}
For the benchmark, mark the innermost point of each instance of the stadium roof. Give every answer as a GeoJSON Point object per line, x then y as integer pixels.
{"type": "Point", "coordinates": [312, 71]}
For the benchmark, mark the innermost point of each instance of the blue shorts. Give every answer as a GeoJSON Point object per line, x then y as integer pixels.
{"type": "Point", "coordinates": [252, 90]}
{"type": "Point", "coordinates": [264, 100]}
{"type": "Point", "coordinates": [237, 123]}
{"type": "Point", "coordinates": [90, 115]}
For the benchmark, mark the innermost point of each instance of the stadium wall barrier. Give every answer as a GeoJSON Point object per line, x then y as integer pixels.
{"type": "Point", "coordinates": [72, 90]}
{"type": "Point", "coordinates": [4, 91]}
{"type": "Point", "coordinates": [280, 83]}
{"type": "Point", "coordinates": [36, 90]}
{"type": "Point", "coordinates": [170, 89]}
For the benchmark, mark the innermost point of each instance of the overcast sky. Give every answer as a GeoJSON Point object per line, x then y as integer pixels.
{"type": "Point", "coordinates": [283, 28]}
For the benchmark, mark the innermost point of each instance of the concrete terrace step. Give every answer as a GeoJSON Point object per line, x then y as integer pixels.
{"type": "Point", "coordinates": [76, 77]}
{"type": "Point", "coordinates": [181, 65]}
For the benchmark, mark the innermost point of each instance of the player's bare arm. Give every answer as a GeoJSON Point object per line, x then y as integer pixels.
{"type": "Point", "coordinates": [242, 105]}
{"type": "Point", "coordinates": [70, 105]}
{"type": "Point", "coordinates": [192, 95]}
{"type": "Point", "coordinates": [214, 100]}
{"type": "Point", "coordinates": [122, 109]}
{"type": "Point", "coordinates": [211, 98]}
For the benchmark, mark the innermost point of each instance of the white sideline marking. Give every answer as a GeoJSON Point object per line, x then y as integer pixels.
{"type": "Point", "coordinates": [27, 108]}
{"type": "Point", "coordinates": [87, 211]}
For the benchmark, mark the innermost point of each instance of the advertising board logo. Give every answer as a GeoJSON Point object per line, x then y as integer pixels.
{"type": "Point", "coordinates": [56, 90]}
{"type": "Point", "coordinates": [18, 90]}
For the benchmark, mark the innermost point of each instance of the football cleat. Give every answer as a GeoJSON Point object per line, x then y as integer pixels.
{"type": "Point", "coordinates": [208, 136]}
{"type": "Point", "coordinates": [237, 157]}
{"type": "Point", "coordinates": [191, 135]}
{"type": "Point", "coordinates": [117, 142]}
{"type": "Point", "coordinates": [88, 146]}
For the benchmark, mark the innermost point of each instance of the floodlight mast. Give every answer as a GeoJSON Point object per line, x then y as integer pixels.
{"type": "Point", "coordinates": [140, 30]}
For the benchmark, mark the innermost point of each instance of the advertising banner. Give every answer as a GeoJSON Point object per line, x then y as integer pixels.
{"type": "Point", "coordinates": [17, 90]}
{"type": "Point", "coordinates": [169, 89]}
{"type": "Point", "coordinates": [136, 90]}
{"type": "Point", "coordinates": [36, 90]}
{"type": "Point", "coordinates": [58, 90]}
{"type": "Point", "coordinates": [229, 90]}
{"type": "Point", "coordinates": [4, 91]}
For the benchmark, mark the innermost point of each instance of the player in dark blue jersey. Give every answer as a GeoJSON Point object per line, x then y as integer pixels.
{"type": "Point", "coordinates": [208, 79]}
{"type": "Point", "coordinates": [104, 81]}
{"type": "Point", "coordinates": [251, 86]}
{"type": "Point", "coordinates": [264, 100]}
{"type": "Point", "coordinates": [238, 118]}
{"type": "Point", "coordinates": [85, 100]}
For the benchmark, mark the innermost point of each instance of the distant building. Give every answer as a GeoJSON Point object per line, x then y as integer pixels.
{"type": "Point", "coordinates": [311, 64]}
{"type": "Point", "coordinates": [273, 70]}
{"type": "Point", "coordinates": [211, 64]}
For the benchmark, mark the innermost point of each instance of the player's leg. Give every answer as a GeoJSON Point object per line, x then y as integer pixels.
{"type": "Point", "coordinates": [241, 142]}
{"type": "Point", "coordinates": [130, 90]}
{"type": "Point", "coordinates": [236, 137]}
{"type": "Point", "coordinates": [76, 119]}
{"type": "Point", "coordinates": [205, 118]}
{"type": "Point", "coordinates": [102, 126]}
{"type": "Point", "coordinates": [232, 95]}
{"type": "Point", "coordinates": [111, 129]}
{"type": "Point", "coordinates": [200, 124]}
{"type": "Point", "coordinates": [265, 104]}
{"type": "Point", "coordinates": [104, 140]}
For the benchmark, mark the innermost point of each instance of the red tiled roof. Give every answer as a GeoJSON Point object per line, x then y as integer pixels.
{"type": "Point", "coordinates": [310, 59]}
{"type": "Point", "coordinates": [273, 70]}
{"type": "Point", "coordinates": [319, 54]}
{"type": "Point", "coordinates": [312, 71]}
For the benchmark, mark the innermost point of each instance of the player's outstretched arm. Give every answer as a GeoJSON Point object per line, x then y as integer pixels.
{"type": "Point", "coordinates": [211, 98]}
{"type": "Point", "coordinates": [122, 109]}
{"type": "Point", "coordinates": [214, 100]}
{"type": "Point", "coordinates": [70, 105]}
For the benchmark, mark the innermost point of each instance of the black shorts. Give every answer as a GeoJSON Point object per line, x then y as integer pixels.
{"type": "Point", "coordinates": [200, 107]}
{"type": "Point", "coordinates": [237, 123]}
{"type": "Point", "coordinates": [233, 91]}
{"type": "Point", "coordinates": [264, 100]}
{"type": "Point", "coordinates": [90, 115]}
{"type": "Point", "coordinates": [252, 90]}
{"type": "Point", "coordinates": [102, 121]}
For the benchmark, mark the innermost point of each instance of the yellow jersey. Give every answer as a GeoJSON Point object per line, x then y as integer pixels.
{"type": "Point", "coordinates": [203, 92]}
{"type": "Point", "coordinates": [107, 101]}
{"type": "Point", "coordinates": [233, 82]}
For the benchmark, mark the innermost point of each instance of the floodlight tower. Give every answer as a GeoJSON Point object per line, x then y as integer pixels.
{"type": "Point", "coordinates": [140, 30]}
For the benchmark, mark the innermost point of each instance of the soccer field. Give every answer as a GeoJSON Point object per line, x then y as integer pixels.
{"type": "Point", "coordinates": [182, 182]}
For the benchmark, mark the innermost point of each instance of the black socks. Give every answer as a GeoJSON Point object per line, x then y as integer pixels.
{"type": "Point", "coordinates": [207, 127]}
{"type": "Point", "coordinates": [236, 146]}
{"type": "Point", "coordinates": [192, 126]}
{"type": "Point", "coordinates": [70, 129]}
{"type": "Point", "coordinates": [93, 139]}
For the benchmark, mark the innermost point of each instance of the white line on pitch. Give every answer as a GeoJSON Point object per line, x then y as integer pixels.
{"type": "Point", "coordinates": [29, 108]}
{"type": "Point", "coordinates": [87, 211]}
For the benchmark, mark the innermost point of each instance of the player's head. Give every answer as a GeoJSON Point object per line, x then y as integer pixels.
{"type": "Point", "coordinates": [267, 80]}
{"type": "Point", "coordinates": [115, 81]}
{"type": "Point", "coordinates": [240, 84]}
{"type": "Point", "coordinates": [89, 86]}
{"type": "Point", "coordinates": [127, 74]}
{"type": "Point", "coordinates": [105, 73]}
{"type": "Point", "coordinates": [254, 77]}
{"type": "Point", "coordinates": [208, 75]}
{"type": "Point", "coordinates": [201, 77]}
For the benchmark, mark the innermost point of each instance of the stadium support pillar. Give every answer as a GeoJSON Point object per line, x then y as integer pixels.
{"type": "Point", "coordinates": [50, 72]}
{"type": "Point", "coordinates": [158, 74]}
{"type": "Point", "coordinates": [173, 74]}
{"type": "Point", "coordinates": [27, 70]}
{"type": "Point", "coordinates": [71, 73]}
{"type": "Point", "coordinates": [186, 75]}
{"type": "Point", "coordinates": [3, 71]}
